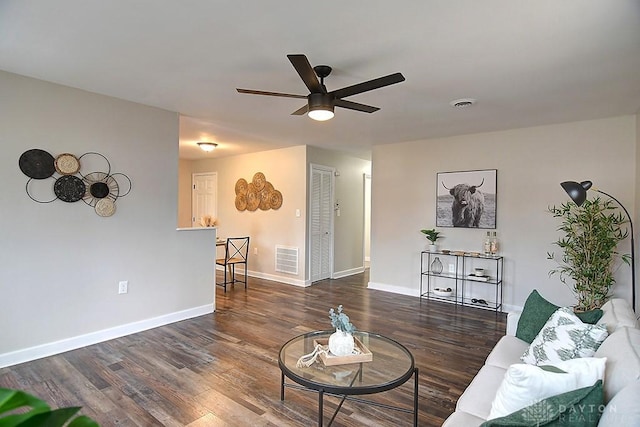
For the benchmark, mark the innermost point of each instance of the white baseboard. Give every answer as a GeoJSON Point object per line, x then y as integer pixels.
{"type": "Point", "coordinates": [393, 289]}
{"type": "Point", "coordinates": [49, 349]}
{"type": "Point", "coordinates": [298, 282]}
{"type": "Point", "coordinates": [345, 273]}
{"type": "Point", "coordinates": [278, 278]}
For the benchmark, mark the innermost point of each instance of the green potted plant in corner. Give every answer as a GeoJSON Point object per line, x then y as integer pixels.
{"type": "Point", "coordinates": [18, 408]}
{"type": "Point", "coordinates": [592, 232]}
{"type": "Point", "coordinates": [432, 235]}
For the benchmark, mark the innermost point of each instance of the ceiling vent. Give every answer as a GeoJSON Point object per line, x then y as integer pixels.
{"type": "Point", "coordinates": [462, 103]}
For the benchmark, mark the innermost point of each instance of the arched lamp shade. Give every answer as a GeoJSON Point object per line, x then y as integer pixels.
{"type": "Point", "coordinates": [577, 191]}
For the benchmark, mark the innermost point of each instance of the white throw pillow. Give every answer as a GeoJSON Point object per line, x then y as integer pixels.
{"type": "Point", "coordinates": [564, 337]}
{"type": "Point", "coordinates": [523, 384]}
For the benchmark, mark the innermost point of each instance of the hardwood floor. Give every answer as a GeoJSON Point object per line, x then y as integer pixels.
{"type": "Point", "coordinates": [222, 369]}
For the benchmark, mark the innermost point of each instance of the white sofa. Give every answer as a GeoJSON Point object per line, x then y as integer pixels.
{"type": "Point", "coordinates": [621, 383]}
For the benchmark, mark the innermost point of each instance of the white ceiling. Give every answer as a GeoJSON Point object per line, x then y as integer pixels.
{"type": "Point", "coordinates": [527, 63]}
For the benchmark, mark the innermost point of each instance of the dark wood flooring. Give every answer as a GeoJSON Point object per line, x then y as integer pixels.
{"type": "Point", "coordinates": [222, 369]}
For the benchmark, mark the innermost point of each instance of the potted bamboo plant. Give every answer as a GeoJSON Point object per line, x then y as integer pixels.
{"type": "Point", "coordinates": [592, 232]}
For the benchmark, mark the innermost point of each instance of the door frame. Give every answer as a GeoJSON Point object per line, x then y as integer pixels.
{"type": "Point", "coordinates": [366, 240]}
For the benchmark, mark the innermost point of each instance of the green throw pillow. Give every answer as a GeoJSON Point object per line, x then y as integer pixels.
{"type": "Point", "coordinates": [578, 408]}
{"type": "Point", "coordinates": [537, 311]}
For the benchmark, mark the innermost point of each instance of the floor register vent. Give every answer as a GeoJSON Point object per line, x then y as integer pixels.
{"type": "Point", "coordinates": [286, 259]}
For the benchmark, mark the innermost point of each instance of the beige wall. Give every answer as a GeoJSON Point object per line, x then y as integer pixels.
{"type": "Point", "coordinates": [531, 163]}
{"type": "Point", "coordinates": [184, 193]}
{"type": "Point", "coordinates": [285, 169]}
{"type": "Point", "coordinates": [60, 263]}
{"type": "Point", "coordinates": [288, 170]}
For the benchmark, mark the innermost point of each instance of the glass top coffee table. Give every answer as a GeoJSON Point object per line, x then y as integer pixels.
{"type": "Point", "coordinates": [392, 366]}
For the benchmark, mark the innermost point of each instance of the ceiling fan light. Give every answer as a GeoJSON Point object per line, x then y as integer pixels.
{"type": "Point", "coordinates": [207, 146]}
{"type": "Point", "coordinates": [320, 106]}
{"type": "Point", "coordinates": [321, 114]}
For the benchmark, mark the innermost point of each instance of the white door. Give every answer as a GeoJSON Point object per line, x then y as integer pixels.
{"type": "Point", "coordinates": [321, 222]}
{"type": "Point", "coordinates": [204, 197]}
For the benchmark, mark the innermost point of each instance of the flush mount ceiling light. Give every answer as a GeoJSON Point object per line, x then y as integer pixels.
{"type": "Point", "coordinates": [320, 106]}
{"type": "Point", "coordinates": [207, 146]}
{"type": "Point", "coordinates": [462, 103]}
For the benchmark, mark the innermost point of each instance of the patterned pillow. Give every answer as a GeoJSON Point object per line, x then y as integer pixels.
{"type": "Point", "coordinates": [564, 337]}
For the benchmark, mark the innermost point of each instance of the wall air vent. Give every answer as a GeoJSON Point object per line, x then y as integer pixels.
{"type": "Point", "coordinates": [286, 259]}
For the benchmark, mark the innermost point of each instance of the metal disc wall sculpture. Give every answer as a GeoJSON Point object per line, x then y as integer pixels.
{"type": "Point", "coordinates": [99, 190]}
{"type": "Point", "coordinates": [259, 193]}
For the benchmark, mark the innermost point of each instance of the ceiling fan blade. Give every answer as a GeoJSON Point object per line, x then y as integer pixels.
{"type": "Point", "coordinates": [368, 85]}
{"type": "Point", "coordinates": [301, 111]}
{"type": "Point", "coordinates": [308, 76]}
{"type": "Point", "coordinates": [354, 106]}
{"type": "Point", "coordinates": [261, 92]}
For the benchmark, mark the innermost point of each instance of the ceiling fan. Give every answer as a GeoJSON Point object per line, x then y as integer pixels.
{"type": "Point", "coordinates": [320, 102]}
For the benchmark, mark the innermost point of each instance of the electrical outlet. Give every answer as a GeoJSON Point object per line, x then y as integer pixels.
{"type": "Point", "coordinates": [123, 286]}
{"type": "Point", "coordinates": [452, 268]}
{"type": "Point", "coordinates": [255, 251]}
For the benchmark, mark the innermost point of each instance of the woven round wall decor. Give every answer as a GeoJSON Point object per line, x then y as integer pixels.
{"type": "Point", "coordinates": [105, 207]}
{"type": "Point", "coordinates": [241, 186]}
{"type": "Point", "coordinates": [241, 202]}
{"type": "Point", "coordinates": [259, 193]}
{"type": "Point", "coordinates": [275, 199]}
{"type": "Point", "coordinates": [265, 204]}
{"type": "Point", "coordinates": [100, 186]}
{"type": "Point", "coordinates": [69, 188]}
{"type": "Point", "coordinates": [253, 201]}
{"type": "Point", "coordinates": [97, 189]}
{"type": "Point", "coordinates": [37, 164]}
{"type": "Point", "coordinates": [259, 180]}
{"type": "Point", "coordinates": [67, 164]}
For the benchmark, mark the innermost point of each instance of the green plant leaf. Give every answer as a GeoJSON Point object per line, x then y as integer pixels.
{"type": "Point", "coordinates": [591, 234]}
{"type": "Point", "coordinates": [39, 414]}
{"type": "Point", "coordinates": [13, 399]}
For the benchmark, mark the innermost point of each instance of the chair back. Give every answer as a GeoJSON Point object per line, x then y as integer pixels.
{"type": "Point", "coordinates": [236, 249]}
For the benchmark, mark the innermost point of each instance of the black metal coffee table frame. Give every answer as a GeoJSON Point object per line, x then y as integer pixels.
{"type": "Point", "coordinates": [348, 391]}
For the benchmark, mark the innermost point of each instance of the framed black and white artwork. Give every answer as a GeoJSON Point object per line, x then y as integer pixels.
{"type": "Point", "coordinates": [466, 199]}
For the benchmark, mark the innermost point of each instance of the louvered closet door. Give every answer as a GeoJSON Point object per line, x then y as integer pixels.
{"type": "Point", "coordinates": [321, 226]}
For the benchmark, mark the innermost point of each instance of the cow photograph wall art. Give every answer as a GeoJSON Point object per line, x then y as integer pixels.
{"type": "Point", "coordinates": [466, 199]}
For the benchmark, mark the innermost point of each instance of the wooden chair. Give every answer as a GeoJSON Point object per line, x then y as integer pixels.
{"type": "Point", "coordinates": [236, 251]}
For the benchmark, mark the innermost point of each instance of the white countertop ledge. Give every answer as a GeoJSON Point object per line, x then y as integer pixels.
{"type": "Point", "coordinates": [196, 228]}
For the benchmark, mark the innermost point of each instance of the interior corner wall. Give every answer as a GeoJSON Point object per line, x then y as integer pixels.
{"type": "Point", "coordinates": [348, 245]}
{"type": "Point", "coordinates": [184, 193]}
{"type": "Point", "coordinates": [285, 170]}
{"type": "Point", "coordinates": [60, 263]}
{"type": "Point", "coordinates": [531, 163]}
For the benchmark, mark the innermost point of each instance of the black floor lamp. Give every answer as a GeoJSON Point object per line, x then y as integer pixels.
{"type": "Point", "coordinates": [578, 193]}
